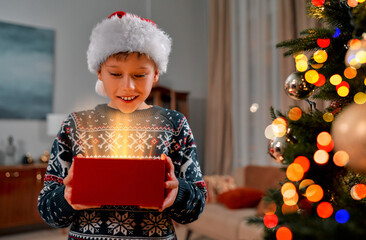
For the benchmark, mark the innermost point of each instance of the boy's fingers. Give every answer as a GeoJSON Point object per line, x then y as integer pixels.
{"type": "Point", "coordinates": [171, 184]}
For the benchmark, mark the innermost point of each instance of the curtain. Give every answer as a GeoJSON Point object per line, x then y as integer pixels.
{"type": "Point", "coordinates": [219, 136]}
{"type": "Point", "coordinates": [259, 71]}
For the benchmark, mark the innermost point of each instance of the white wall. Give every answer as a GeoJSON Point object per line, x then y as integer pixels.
{"type": "Point", "coordinates": [186, 21]}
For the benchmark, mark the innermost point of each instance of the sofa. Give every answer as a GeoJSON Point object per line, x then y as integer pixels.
{"type": "Point", "coordinates": [218, 221]}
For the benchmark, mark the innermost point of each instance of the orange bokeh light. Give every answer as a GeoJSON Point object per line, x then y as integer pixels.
{"type": "Point", "coordinates": [324, 138]}
{"type": "Point", "coordinates": [290, 197]}
{"type": "Point", "coordinates": [350, 72]}
{"type": "Point", "coordinates": [358, 191]}
{"type": "Point", "coordinates": [294, 114]}
{"type": "Point", "coordinates": [355, 44]}
{"type": "Point", "coordinates": [287, 186]}
{"type": "Point", "coordinates": [314, 193]}
{"type": "Point", "coordinates": [279, 127]}
{"type": "Point", "coordinates": [340, 158]}
{"type": "Point", "coordinates": [352, 3]}
{"type": "Point", "coordinates": [295, 172]}
{"type": "Point", "coordinates": [320, 56]}
{"type": "Point", "coordinates": [305, 183]}
{"type": "Point", "coordinates": [270, 220]}
{"type": "Point", "coordinates": [269, 207]}
{"type": "Point", "coordinates": [321, 157]}
{"type": "Point", "coordinates": [324, 210]}
{"type": "Point", "coordinates": [326, 148]}
{"type": "Point", "coordinates": [321, 80]}
{"type": "Point", "coordinates": [284, 233]}
{"type": "Point", "coordinates": [286, 209]}
{"type": "Point", "coordinates": [304, 162]}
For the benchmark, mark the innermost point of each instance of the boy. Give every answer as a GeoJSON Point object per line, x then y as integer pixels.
{"type": "Point", "coordinates": [127, 53]}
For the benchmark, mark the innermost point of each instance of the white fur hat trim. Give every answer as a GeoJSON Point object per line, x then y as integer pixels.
{"type": "Point", "coordinates": [99, 88]}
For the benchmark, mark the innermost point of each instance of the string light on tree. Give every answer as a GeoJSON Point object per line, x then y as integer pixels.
{"type": "Point", "coordinates": [356, 54]}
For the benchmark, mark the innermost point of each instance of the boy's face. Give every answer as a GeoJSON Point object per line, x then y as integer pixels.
{"type": "Point", "coordinates": [128, 81]}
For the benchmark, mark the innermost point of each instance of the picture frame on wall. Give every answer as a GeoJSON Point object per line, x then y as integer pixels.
{"type": "Point", "coordinates": [26, 71]}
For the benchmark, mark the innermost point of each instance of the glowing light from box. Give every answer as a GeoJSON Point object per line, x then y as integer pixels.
{"type": "Point", "coordinates": [270, 220]}
{"type": "Point", "coordinates": [312, 76]}
{"type": "Point", "coordinates": [343, 91]}
{"type": "Point", "coordinates": [304, 162]}
{"type": "Point", "coordinates": [360, 98]}
{"type": "Point", "coordinates": [302, 65]}
{"type": "Point", "coordinates": [295, 113]}
{"type": "Point", "coordinates": [336, 33]}
{"type": "Point", "coordinates": [290, 197]}
{"type": "Point", "coordinates": [317, 65]}
{"type": "Point", "coordinates": [352, 3]}
{"type": "Point", "coordinates": [335, 79]}
{"type": "Point", "coordinates": [283, 233]}
{"type": "Point", "coordinates": [324, 138]}
{"type": "Point", "coordinates": [286, 209]}
{"type": "Point", "coordinates": [317, 3]}
{"type": "Point", "coordinates": [321, 157]}
{"type": "Point", "coordinates": [350, 72]}
{"type": "Point", "coordinates": [304, 184]}
{"type": "Point", "coordinates": [268, 132]}
{"type": "Point", "coordinates": [324, 210]}
{"type": "Point", "coordinates": [358, 191]}
{"type": "Point", "coordinates": [279, 127]}
{"type": "Point", "coordinates": [314, 193]}
{"type": "Point", "coordinates": [320, 56]}
{"type": "Point", "coordinates": [295, 172]}
{"type": "Point", "coordinates": [321, 80]}
{"type": "Point", "coordinates": [328, 117]}
{"type": "Point", "coordinates": [340, 158]}
{"type": "Point", "coordinates": [323, 42]}
{"type": "Point", "coordinates": [287, 186]}
{"type": "Point", "coordinates": [254, 107]}
{"type": "Point", "coordinates": [342, 216]}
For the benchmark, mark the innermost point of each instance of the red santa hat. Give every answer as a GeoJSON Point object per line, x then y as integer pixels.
{"type": "Point", "coordinates": [125, 32]}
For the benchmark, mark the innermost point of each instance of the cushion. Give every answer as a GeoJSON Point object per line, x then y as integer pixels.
{"type": "Point", "coordinates": [241, 197]}
{"type": "Point", "coordinates": [217, 184]}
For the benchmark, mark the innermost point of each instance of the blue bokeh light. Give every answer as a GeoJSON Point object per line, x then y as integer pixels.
{"type": "Point", "coordinates": [342, 216]}
{"type": "Point", "coordinates": [337, 33]}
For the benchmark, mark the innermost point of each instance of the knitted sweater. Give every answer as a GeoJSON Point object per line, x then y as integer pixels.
{"type": "Point", "coordinates": [107, 132]}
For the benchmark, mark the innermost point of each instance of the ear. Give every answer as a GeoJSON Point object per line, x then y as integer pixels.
{"type": "Point", "coordinates": [156, 76]}
{"type": "Point", "coordinates": [99, 75]}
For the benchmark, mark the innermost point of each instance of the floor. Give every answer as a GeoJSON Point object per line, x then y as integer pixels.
{"type": "Point", "coordinates": [58, 234]}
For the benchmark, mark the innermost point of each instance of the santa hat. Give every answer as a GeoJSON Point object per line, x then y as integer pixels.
{"type": "Point", "coordinates": [125, 32]}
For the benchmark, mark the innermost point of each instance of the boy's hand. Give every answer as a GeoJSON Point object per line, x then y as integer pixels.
{"type": "Point", "coordinates": [68, 190]}
{"type": "Point", "coordinates": [171, 183]}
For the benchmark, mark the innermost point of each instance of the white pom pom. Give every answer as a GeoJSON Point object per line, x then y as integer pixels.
{"type": "Point", "coordinates": [99, 89]}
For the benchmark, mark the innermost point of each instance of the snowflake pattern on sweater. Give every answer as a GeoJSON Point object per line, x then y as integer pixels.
{"type": "Point", "coordinates": [107, 132]}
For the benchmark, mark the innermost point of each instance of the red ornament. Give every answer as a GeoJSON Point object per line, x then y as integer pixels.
{"type": "Point", "coordinates": [317, 3]}
{"type": "Point", "coordinates": [323, 42]}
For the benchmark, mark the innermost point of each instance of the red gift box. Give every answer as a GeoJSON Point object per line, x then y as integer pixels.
{"type": "Point", "coordinates": [113, 181]}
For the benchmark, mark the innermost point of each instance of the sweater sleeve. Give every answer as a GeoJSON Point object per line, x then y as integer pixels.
{"type": "Point", "coordinates": [192, 192]}
{"type": "Point", "coordinates": [52, 206]}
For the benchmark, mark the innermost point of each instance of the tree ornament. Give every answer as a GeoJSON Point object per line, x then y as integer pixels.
{"type": "Point", "coordinates": [297, 87]}
{"type": "Point", "coordinates": [349, 135]}
{"type": "Point", "coordinates": [277, 147]}
{"type": "Point", "coordinates": [356, 54]}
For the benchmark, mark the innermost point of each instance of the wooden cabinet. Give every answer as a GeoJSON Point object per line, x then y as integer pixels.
{"type": "Point", "coordinates": [19, 189]}
{"type": "Point", "coordinates": [169, 98]}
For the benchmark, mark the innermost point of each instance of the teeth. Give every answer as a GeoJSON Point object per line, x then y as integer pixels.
{"type": "Point", "coordinates": [128, 98]}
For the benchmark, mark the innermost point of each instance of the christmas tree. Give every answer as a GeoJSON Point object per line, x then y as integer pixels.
{"type": "Point", "coordinates": [322, 151]}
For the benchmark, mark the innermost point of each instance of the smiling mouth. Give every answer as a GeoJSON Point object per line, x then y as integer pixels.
{"type": "Point", "coordinates": [128, 99]}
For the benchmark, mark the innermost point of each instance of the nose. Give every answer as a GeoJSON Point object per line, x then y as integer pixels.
{"type": "Point", "coordinates": [127, 83]}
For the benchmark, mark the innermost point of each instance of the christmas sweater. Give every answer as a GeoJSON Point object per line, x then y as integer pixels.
{"type": "Point", "coordinates": [107, 132]}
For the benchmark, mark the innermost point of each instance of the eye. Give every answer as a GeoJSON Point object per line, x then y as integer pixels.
{"type": "Point", "coordinates": [115, 74]}
{"type": "Point", "coordinates": [140, 75]}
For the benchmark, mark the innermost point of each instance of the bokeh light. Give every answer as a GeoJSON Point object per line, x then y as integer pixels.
{"type": "Point", "coordinates": [343, 83]}
{"type": "Point", "coordinates": [268, 132]}
{"type": "Point", "coordinates": [335, 79]}
{"type": "Point", "coordinates": [286, 209]}
{"type": "Point", "coordinates": [323, 42]}
{"type": "Point", "coordinates": [361, 1]}
{"type": "Point", "coordinates": [287, 186]}
{"type": "Point", "coordinates": [270, 220]}
{"type": "Point", "coordinates": [314, 193]}
{"type": "Point", "coordinates": [324, 138]}
{"type": "Point", "coordinates": [303, 161]}
{"type": "Point", "coordinates": [295, 113]}
{"type": "Point", "coordinates": [304, 184]}
{"type": "Point", "coordinates": [312, 76]}
{"type": "Point", "coordinates": [337, 33]}
{"type": "Point", "coordinates": [290, 197]}
{"type": "Point", "coordinates": [320, 56]}
{"type": "Point", "coordinates": [324, 210]}
{"type": "Point", "coordinates": [342, 216]}
{"type": "Point", "coordinates": [279, 127]}
{"type": "Point", "coordinates": [317, 3]}
{"type": "Point", "coordinates": [355, 44]}
{"type": "Point", "coordinates": [321, 156]}
{"type": "Point", "coordinates": [295, 172]}
{"type": "Point", "coordinates": [317, 65]}
{"type": "Point", "coordinates": [302, 65]}
{"type": "Point", "coordinates": [358, 191]}
{"type": "Point", "coordinates": [343, 91]}
{"type": "Point", "coordinates": [269, 207]}
{"type": "Point", "coordinates": [284, 233]}
{"type": "Point", "coordinates": [321, 80]}
{"type": "Point", "coordinates": [360, 98]}
{"type": "Point", "coordinates": [340, 158]}
{"type": "Point", "coordinates": [328, 117]}
{"type": "Point", "coordinates": [361, 56]}
{"type": "Point", "coordinates": [352, 3]}
{"type": "Point", "coordinates": [350, 73]}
